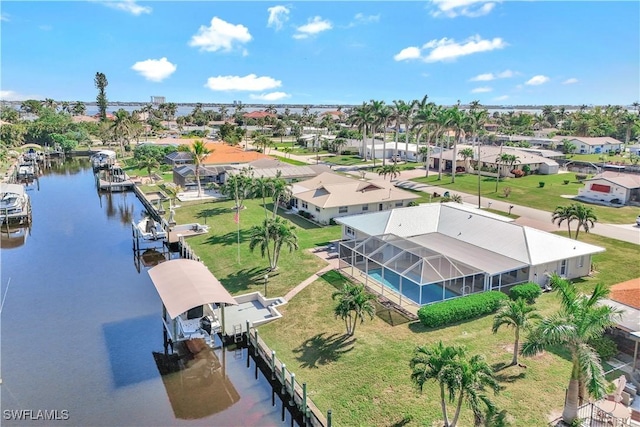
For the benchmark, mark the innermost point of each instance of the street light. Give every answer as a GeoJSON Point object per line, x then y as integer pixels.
{"type": "Point", "coordinates": [266, 279]}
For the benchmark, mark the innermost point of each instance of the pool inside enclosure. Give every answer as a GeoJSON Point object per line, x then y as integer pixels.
{"type": "Point", "coordinates": [417, 273]}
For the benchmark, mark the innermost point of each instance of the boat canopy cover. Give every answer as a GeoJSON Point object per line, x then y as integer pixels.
{"type": "Point", "coordinates": [184, 284]}
{"type": "Point", "coordinates": [6, 188]}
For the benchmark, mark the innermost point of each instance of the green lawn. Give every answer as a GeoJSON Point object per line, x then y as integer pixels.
{"type": "Point", "coordinates": [219, 248]}
{"type": "Point", "coordinates": [526, 191]}
{"type": "Point", "coordinates": [290, 161]}
{"type": "Point", "coordinates": [345, 160]}
{"type": "Point", "coordinates": [365, 379]}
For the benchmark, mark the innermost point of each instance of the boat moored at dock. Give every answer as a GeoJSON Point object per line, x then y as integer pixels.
{"type": "Point", "coordinates": [15, 206]}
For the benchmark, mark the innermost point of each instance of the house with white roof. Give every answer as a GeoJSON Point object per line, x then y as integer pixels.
{"type": "Point", "coordinates": [612, 187]}
{"type": "Point", "coordinates": [329, 195]}
{"type": "Point", "coordinates": [592, 145]}
{"type": "Point", "coordinates": [436, 251]}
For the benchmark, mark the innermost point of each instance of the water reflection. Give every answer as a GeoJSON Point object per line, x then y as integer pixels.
{"type": "Point", "coordinates": [12, 236]}
{"type": "Point", "coordinates": [81, 327]}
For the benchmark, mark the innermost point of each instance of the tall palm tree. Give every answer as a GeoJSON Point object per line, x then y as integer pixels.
{"type": "Point", "coordinates": [121, 128]}
{"type": "Point", "coordinates": [442, 122]}
{"type": "Point", "coordinates": [423, 123]}
{"type": "Point", "coordinates": [200, 152]}
{"type": "Point", "coordinates": [379, 115]}
{"type": "Point", "coordinates": [467, 153]}
{"type": "Point", "coordinates": [519, 315]}
{"type": "Point", "coordinates": [561, 214]}
{"type": "Point", "coordinates": [477, 119]}
{"type": "Point", "coordinates": [271, 237]}
{"type": "Point", "coordinates": [580, 319]}
{"type": "Point", "coordinates": [585, 216]}
{"type": "Point", "coordinates": [458, 119]}
{"type": "Point", "coordinates": [423, 154]}
{"type": "Point", "coordinates": [361, 117]}
{"type": "Point", "coordinates": [149, 163]}
{"type": "Point", "coordinates": [353, 304]}
{"type": "Point", "coordinates": [281, 192]}
{"type": "Point", "coordinates": [262, 187]}
{"type": "Point", "coordinates": [392, 170]}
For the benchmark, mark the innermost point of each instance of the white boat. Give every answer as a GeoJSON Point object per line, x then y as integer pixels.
{"type": "Point", "coordinates": [149, 229]}
{"type": "Point", "coordinates": [14, 203]}
{"type": "Point", "coordinates": [26, 171]}
{"type": "Point", "coordinates": [103, 159]}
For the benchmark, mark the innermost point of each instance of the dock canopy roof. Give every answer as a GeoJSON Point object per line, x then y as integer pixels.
{"type": "Point", "coordinates": [184, 284]}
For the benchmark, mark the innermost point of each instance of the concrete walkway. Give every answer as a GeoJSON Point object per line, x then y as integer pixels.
{"type": "Point", "coordinates": [332, 264]}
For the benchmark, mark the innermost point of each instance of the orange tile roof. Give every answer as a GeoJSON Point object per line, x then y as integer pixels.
{"type": "Point", "coordinates": [258, 115]}
{"type": "Point", "coordinates": [627, 293]}
{"type": "Point", "coordinates": [222, 153]}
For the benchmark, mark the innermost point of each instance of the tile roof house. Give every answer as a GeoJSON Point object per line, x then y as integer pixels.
{"type": "Point", "coordinates": [329, 196]}
{"type": "Point", "coordinates": [592, 145]}
{"type": "Point", "coordinates": [612, 187]}
{"type": "Point", "coordinates": [185, 175]}
{"type": "Point", "coordinates": [437, 251]}
{"type": "Point", "coordinates": [178, 158]}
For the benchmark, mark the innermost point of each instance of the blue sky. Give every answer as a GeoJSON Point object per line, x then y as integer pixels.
{"type": "Point", "coordinates": [312, 52]}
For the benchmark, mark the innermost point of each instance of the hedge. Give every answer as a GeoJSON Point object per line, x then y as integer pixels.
{"type": "Point", "coordinates": [462, 308]}
{"type": "Point", "coordinates": [529, 291]}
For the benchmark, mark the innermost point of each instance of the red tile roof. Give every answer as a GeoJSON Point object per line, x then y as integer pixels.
{"type": "Point", "coordinates": [627, 293]}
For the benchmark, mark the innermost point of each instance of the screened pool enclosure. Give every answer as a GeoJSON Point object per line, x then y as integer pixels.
{"type": "Point", "coordinates": [420, 269]}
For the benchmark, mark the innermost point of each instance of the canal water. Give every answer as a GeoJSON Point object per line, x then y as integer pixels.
{"type": "Point", "coordinates": [81, 328]}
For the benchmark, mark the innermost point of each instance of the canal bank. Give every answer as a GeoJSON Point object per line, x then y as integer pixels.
{"type": "Point", "coordinates": [81, 326]}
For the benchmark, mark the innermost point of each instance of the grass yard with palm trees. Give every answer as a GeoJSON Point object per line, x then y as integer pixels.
{"type": "Point", "coordinates": [526, 191]}
{"type": "Point", "coordinates": [365, 378]}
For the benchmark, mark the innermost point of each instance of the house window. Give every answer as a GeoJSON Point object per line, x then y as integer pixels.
{"type": "Point", "coordinates": [343, 209]}
{"type": "Point", "coordinates": [305, 205]}
{"type": "Point", "coordinates": [365, 208]}
{"type": "Point", "coordinates": [581, 261]}
{"type": "Point", "coordinates": [563, 267]}
{"type": "Point", "coordinates": [349, 231]}
{"type": "Point", "coordinates": [399, 204]}
{"type": "Point", "coordinates": [317, 209]}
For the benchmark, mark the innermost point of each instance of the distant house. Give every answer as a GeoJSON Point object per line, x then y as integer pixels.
{"type": "Point", "coordinates": [489, 155]}
{"type": "Point", "coordinates": [178, 158]}
{"type": "Point", "coordinates": [436, 251]}
{"type": "Point", "coordinates": [594, 145]}
{"type": "Point", "coordinates": [634, 149]}
{"type": "Point", "coordinates": [271, 168]}
{"type": "Point", "coordinates": [329, 196]}
{"type": "Point", "coordinates": [625, 297]}
{"type": "Point", "coordinates": [612, 187]}
{"type": "Point", "coordinates": [185, 175]}
{"type": "Point", "coordinates": [259, 115]}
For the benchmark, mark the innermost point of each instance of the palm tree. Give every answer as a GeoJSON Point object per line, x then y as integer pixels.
{"type": "Point", "coordinates": [433, 364]}
{"type": "Point", "coordinates": [580, 319]}
{"type": "Point", "coordinates": [353, 303]}
{"type": "Point", "coordinates": [402, 112]}
{"type": "Point", "coordinates": [423, 154]}
{"type": "Point", "coordinates": [585, 216]}
{"type": "Point", "coordinates": [458, 120]}
{"type": "Point", "coordinates": [477, 119]}
{"type": "Point", "coordinates": [277, 232]}
{"type": "Point", "coordinates": [199, 151]}
{"type": "Point", "coordinates": [238, 187]}
{"type": "Point", "coordinates": [467, 153]}
{"type": "Point", "coordinates": [101, 83]}
{"type": "Point", "coordinates": [79, 108]}
{"type": "Point", "coordinates": [121, 128]}
{"type": "Point", "coordinates": [392, 170]}
{"type": "Point", "coordinates": [281, 192]}
{"type": "Point", "coordinates": [149, 163]}
{"type": "Point", "coordinates": [361, 117]}
{"type": "Point", "coordinates": [379, 115]}
{"type": "Point", "coordinates": [561, 214]}
{"type": "Point", "coordinates": [442, 122]}
{"type": "Point", "coordinates": [519, 315]}
{"type": "Point", "coordinates": [262, 187]}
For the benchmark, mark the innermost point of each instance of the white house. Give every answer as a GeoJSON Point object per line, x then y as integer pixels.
{"type": "Point", "coordinates": [408, 152]}
{"type": "Point", "coordinates": [436, 251]}
{"type": "Point", "coordinates": [330, 195]}
{"type": "Point", "coordinates": [612, 187]}
{"type": "Point", "coordinates": [490, 153]}
{"type": "Point", "coordinates": [594, 145]}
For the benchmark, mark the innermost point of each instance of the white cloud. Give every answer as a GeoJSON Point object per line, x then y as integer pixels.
{"type": "Point", "coordinates": [4, 17]}
{"type": "Point", "coordinates": [278, 15]}
{"type": "Point", "coordinates": [570, 81]}
{"type": "Point", "coordinates": [501, 98]}
{"type": "Point", "coordinates": [448, 50]}
{"type": "Point", "coordinates": [468, 8]}
{"type": "Point", "coordinates": [272, 96]}
{"type": "Point", "coordinates": [487, 77]}
{"type": "Point", "coordinates": [481, 89]}
{"type": "Point", "coordinates": [361, 18]}
{"type": "Point", "coordinates": [220, 35]}
{"type": "Point", "coordinates": [537, 80]}
{"type": "Point", "coordinates": [313, 26]}
{"type": "Point", "coordinates": [128, 6]}
{"type": "Point", "coordinates": [154, 70]}
{"type": "Point", "coordinates": [483, 78]}
{"type": "Point", "coordinates": [9, 95]}
{"type": "Point", "coordinates": [408, 53]}
{"type": "Point", "coordinates": [250, 82]}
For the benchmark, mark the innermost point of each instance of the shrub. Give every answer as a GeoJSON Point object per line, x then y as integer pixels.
{"type": "Point", "coordinates": [462, 308]}
{"type": "Point", "coordinates": [604, 346]}
{"type": "Point", "coordinates": [517, 173]}
{"type": "Point", "coordinates": [581, 177]}
{"type": "Point", "coordinates": [528, 291]}
{"type": "Point", "coordinates": [541, 184]}
{"type": "Point", "coordinates": [566, 182]}
{"type": "Point", "coordinates": [526, 169]}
